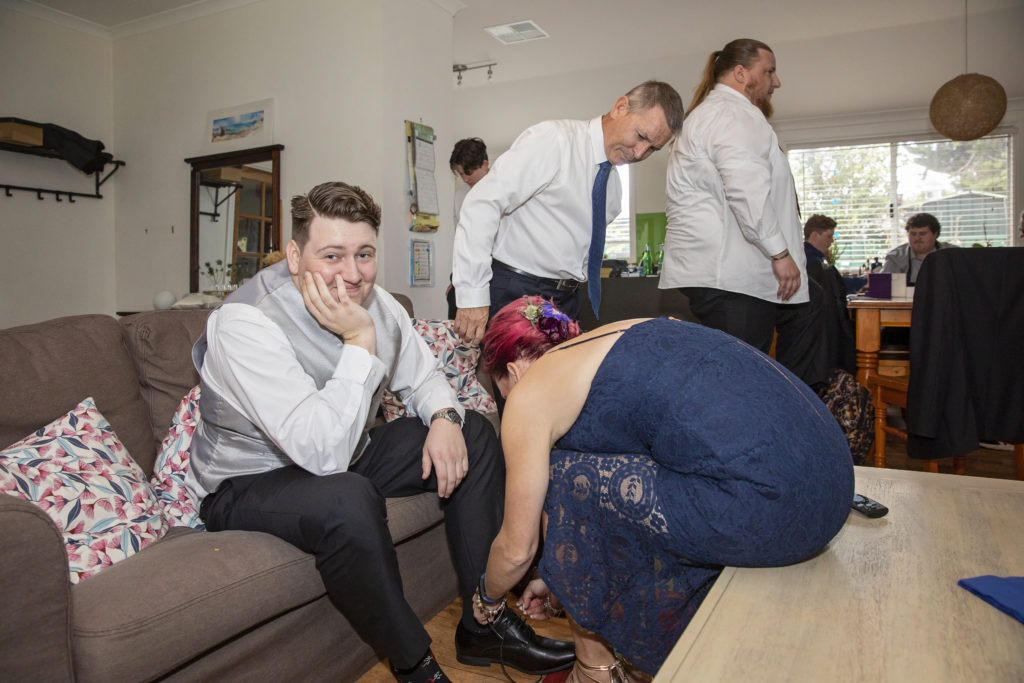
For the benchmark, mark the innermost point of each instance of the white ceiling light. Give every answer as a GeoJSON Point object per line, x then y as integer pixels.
{"type": "Point", "coordinates": [517, 32]}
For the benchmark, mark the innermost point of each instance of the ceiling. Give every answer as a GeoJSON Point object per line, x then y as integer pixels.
{"type": "Point", "coordinates": [584, 34]}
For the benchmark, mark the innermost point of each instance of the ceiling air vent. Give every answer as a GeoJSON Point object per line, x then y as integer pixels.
{"type": "Point", "coordinates": [517, 32]}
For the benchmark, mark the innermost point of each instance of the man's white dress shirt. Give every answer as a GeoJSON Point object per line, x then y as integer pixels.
{"type": "Point", "coordinates": [251, 365]}
{"type": "Point", "coordinates": [731, 202]}
{"type": "Point", "coordinates": [533, 210]}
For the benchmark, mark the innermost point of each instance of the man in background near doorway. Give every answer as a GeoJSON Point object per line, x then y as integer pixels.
{"type": "Point", "coordinates": [733, 243]}
{"type": "Point", "coordinates": [529, 226]}
{"type": "Point", "coordinates": [469, 162]}
{"type": "Point", "coordinates": [922, 239]}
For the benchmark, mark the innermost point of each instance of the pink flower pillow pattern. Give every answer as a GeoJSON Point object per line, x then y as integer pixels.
{"type": "Point", "coordinates": [172, 465]}
{"type": "Point", "coordinates": [458, 362]}
{"type": "Point", "coordinates": [77, 470]}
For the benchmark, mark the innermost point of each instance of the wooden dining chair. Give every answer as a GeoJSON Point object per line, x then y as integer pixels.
{"type": "Point", "coordinates": [892, 391]}
{"type": "Point", "coordinates": [888, 391]}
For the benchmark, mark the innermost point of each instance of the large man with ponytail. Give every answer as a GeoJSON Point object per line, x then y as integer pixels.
{"type": "Point", "coordinates": [734, 242]}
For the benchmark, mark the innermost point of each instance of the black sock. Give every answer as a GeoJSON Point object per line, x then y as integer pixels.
{"type": "Point", "coordinates": [426, 670]}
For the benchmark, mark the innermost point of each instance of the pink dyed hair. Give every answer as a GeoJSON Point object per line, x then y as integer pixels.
{"type": "Point", "coordinates": [510, 336]}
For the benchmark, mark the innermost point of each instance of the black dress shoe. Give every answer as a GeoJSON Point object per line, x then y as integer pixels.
{"type": "Point", "coordinates": [512, 643]}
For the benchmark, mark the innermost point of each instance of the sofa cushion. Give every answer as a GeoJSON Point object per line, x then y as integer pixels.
{"type": "Point", "coordinates": [183, 595]}
{"type": "Point", "coordinates": [195, 590]}
{"type": "Point", "coordinates": [459, 363]}
{"type": "Point", "coordinates": [77, 471]}
{"type": "Point", "coordinates": [160, 343]}
{"type": "Point", "coordinates": [48, 367]}
{"type": "Point", "coordinates": [172, 463]}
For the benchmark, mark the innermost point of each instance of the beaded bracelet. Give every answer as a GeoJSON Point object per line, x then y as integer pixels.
{"type": "Point", "coordinates": [490, 613]}
{"type": "Point", "coordinates": [779, 257]}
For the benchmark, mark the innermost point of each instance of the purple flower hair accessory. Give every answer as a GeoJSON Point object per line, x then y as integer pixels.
{"type": "Point", "coordinates": [549, 321]}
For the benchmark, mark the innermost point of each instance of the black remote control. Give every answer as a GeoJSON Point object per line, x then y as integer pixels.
{"type": "Point", "coordinates": [868, 507]}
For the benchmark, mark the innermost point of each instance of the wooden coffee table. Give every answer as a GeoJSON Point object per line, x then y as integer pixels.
{"type": "Point", "coordinates": [881, 602]}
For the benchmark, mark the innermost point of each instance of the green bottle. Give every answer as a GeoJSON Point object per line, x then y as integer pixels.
{"type": "Point", "coordinates": [645, 267]}
{"type": "Point", "coordinates": [661, 258]}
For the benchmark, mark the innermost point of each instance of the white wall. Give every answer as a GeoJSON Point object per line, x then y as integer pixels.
{"type": "Point", "coordinates": [417, 37]}
{"type": "Point", "coordinates": [344, 75]}
{"type": "Point", "coordinates": [56, 258]}
{"type": "Point", "coordinates": [881, 80]}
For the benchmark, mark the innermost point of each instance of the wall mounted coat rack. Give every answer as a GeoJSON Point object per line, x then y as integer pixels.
{"type": "Point", "coordinates": [48, 140]}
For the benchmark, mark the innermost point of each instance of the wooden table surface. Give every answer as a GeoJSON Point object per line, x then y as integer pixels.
{"type": "Point", "coordinates": [881, 603]}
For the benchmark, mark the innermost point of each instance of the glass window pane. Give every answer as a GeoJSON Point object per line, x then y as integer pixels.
{"type": "Point", "coordinates": [870, 190]}
{"type": "Point", "coordinates": [248, 234]}
{"type": "Point", "coordinates": [963, 184]}
{"type": "Point", "coordinates": [617, 239]}
{"type": "Point", "coordinates": [851, 185]}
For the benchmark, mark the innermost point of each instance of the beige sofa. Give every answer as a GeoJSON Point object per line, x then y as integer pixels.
{"type": "Point", "coordinates": [193, 605]}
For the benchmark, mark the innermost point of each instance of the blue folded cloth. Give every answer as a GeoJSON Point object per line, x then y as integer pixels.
{"type": "Point", "coordinates": [1005, 593]}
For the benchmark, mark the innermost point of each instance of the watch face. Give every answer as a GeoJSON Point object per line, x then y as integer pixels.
{"type": "Point", "coordinates": [449, 414]}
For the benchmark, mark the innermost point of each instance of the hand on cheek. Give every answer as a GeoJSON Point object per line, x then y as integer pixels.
{"type": "Point", "coordinates": [337, 312]}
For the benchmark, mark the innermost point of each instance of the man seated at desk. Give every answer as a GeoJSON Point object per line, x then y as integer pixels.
{"type": "Point", "coordinates": [922, 235]}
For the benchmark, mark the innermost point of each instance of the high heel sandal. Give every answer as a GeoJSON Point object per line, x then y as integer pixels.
{"type": "Point", "coordinates": [616, 672]}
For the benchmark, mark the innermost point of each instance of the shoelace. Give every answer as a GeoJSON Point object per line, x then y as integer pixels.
{"type": "Point", "coordinates": [501, 653]}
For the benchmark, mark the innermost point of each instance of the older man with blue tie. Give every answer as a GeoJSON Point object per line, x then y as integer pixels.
{"type": "Point", "coordinates": [535, 224]}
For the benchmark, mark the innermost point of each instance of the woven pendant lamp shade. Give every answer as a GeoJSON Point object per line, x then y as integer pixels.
{"type": "Point", "coordinates": [968, 107]}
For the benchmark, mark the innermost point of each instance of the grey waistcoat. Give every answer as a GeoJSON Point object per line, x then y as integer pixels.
{"type": "Point", "coordinates": [226, 443]}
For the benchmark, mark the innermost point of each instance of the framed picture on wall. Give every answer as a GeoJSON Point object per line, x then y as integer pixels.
{"type": "Point", "coordinates": [239, 127]}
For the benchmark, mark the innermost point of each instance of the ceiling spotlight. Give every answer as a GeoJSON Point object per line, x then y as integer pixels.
{"type": "Point", "coordinates": [459, 68]}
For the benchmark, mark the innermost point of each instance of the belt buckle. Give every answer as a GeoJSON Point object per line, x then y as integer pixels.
{"type": "Point", "coordinates": [567, 285]}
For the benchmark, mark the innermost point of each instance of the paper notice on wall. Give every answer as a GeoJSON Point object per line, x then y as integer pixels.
{"type": "Point", "coordinates": [426, 192]}
{"type": "Point", "coordinates": [421, 184]}
{"type": "Point", "coordinates": [421, 266]}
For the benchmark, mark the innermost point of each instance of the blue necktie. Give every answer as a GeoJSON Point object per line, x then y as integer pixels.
{"type": "Point", "coordinates": [596, 257]}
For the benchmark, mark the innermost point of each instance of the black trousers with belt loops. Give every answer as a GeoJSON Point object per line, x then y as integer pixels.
{"type": "Point", "coordinates": [341, 519]}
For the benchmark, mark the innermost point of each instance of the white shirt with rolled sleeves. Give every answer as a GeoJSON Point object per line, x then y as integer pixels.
{"type": "Point", "coordinates": [731, 202]}
{"type": "Point", "coordinates": [251, 365]}
{"type": "Point", "coordinates": [533, 209]}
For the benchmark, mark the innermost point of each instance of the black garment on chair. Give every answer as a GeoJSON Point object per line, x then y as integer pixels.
{"type": "Point", "coordinates": [838, 333]}
{"type": "Point", "coordinates": [966, 352]}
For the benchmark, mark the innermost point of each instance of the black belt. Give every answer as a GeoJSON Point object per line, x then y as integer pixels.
{"type": "Point", "coordinates": [560, 285]}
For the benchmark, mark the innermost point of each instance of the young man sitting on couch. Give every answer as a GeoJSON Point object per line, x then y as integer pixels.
{"type": "Point", "coordinates": [292, 368]}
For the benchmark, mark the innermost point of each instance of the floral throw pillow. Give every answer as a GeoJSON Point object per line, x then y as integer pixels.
{"type": "Point", "coordinates": [77, 470]}
{"type": "Point", "coordinates": [458, 362]}
{"type": "Point", "coordinates": [171, 465]}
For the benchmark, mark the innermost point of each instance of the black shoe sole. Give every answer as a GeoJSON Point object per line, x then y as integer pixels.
{"type": "Point", "coordinates": [487, 661]}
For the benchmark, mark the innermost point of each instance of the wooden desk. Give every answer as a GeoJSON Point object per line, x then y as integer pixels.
{"type": "Point", "coordinates": [871, 316]}
{"type": "Point", "coordinates": [623, 298]}
{"type": "Point", "coordinates": [881, 603]}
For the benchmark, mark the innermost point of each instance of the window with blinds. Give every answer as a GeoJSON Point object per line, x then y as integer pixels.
{"type": "Point", "coordinates": [617, 237]}
{"type": "Point", "coordinates": [871, 190]}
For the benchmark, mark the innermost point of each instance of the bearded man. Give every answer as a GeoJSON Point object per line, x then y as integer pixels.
{"type": "Point", "coordinates": [734, 241]}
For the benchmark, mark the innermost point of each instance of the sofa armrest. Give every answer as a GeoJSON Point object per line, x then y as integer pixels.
{"type": "Point", "coordinates": [36, 596]}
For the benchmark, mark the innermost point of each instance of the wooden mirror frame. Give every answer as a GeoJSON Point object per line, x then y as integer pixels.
{"type": "Point", "coordinates": [270, 153]}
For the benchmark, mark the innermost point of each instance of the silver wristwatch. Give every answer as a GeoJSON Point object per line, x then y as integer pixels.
{"type": "Point", "coordinates": [449, 414]}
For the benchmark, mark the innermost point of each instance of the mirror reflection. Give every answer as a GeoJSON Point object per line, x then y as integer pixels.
{"type": "Point", "coordinates": [235, 217]}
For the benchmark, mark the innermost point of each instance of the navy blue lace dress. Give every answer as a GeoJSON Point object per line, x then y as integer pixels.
{"type": "Point", "coordinates": [693, 451]}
